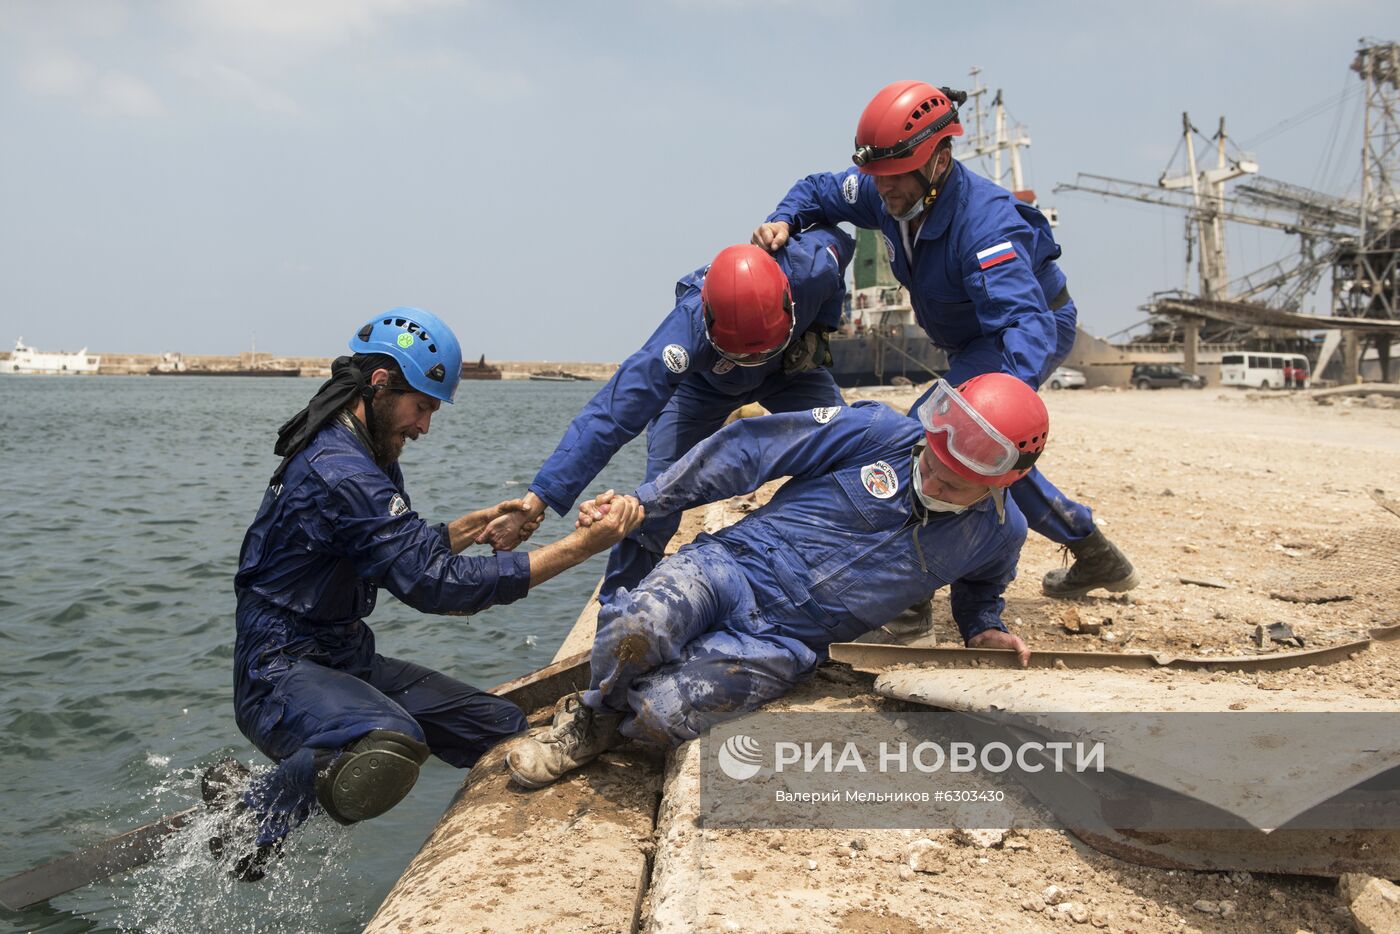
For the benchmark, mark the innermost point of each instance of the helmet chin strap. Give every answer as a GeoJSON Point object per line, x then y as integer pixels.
{"type": "Point", "coordinates": [931, 188]}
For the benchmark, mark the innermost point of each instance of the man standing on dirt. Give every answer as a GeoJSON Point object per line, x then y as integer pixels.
{"type": "Point", "coordinates": [348, 727]}
{"type": "Point", "coordinates": [981, 273]}
{"type": "Point", "coordinates": [881, 511]}
{"type": "Point", "coordinates": [747, 328]}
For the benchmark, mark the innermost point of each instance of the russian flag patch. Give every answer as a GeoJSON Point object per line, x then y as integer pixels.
{"type": "Point", "coordinates": [996, 254]}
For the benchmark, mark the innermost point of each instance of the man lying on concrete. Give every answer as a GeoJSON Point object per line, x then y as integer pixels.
{"type": "Point", "coordinates": [880, 512]}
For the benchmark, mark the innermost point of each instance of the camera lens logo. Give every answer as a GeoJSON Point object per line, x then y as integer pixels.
{"type": "Point", "coordinates": [740, 757]}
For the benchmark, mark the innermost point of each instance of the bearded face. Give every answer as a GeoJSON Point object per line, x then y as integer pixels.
{"type": "Point", "coordinates": [399, 417]}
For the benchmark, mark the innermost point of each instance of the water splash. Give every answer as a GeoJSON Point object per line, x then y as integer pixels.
{"type": "Point", "coordinates": [187, 889]}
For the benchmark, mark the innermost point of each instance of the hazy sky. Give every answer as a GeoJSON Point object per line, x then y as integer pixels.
{"type": "Point", "coordinates": [186, 174]}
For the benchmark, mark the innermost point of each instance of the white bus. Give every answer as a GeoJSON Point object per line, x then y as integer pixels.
{"type": "Point", "coordinates": [1265, 370]}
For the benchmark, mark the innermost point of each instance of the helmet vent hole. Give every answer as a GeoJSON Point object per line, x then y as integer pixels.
{"type": "Point", "coordinates": [388, 320]}
{"type": "Point", "coordinates": [365, 332]}
{"type": "Point", "coordinates": [1021, 445]}
{"type": "Point", "coordinates": [398, 322]}
{"type": "Point", "coordinates": [432, 348]}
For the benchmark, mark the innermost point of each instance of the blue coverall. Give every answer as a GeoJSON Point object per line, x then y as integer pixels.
{"type": "Point", "coordinates": [738, 617]}
{"type": "Point", "coordinates": [681, 390]}
{"type": "Point", "coordinates": [307, 679]}
{"type": "Point", "coordinates": [984, 284]}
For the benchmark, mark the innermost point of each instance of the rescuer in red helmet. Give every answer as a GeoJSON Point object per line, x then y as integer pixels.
{"type": "Point", "coordinates": [880, 511]}
{"type": "Point", "coordinates": [749, 327]}
{"type": "Point", "coordinates": [982, 273]}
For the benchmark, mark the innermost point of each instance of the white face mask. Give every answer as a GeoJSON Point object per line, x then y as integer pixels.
{"type": "Point", "coordinates": [931, 504]}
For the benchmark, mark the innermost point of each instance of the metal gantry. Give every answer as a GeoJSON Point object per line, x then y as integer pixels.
{"type": "Point", "coordinates": [1357, 241]}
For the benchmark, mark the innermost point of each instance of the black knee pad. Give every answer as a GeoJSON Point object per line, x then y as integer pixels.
{"type": "Point", "coordinates": [371, 776]}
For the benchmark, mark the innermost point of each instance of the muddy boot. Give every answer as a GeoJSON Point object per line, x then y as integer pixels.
{"type": "Point", "coordinates": [1097, 563]}
{"type": "Point", "coordinates": [912, 623]}
{"type": "Point", "coordinates": [578, 735]}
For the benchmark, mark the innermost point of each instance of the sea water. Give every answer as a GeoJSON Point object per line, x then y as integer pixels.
{"type": "Point", "coordinates": [123, 502]}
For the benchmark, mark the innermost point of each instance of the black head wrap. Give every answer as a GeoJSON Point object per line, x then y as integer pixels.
{"type": "Point", "coordinates": [349, 382]}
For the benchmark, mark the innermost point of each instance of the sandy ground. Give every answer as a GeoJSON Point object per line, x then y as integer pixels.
{"type": "Point", "coordinates": [1266, 496]}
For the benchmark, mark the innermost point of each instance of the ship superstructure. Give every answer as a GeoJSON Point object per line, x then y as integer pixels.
{"type": "Point", "coordinates": [26, 359]}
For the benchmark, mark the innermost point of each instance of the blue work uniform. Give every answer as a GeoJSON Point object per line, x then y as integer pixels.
{"type": "Point", "coordinates": [307, 679]}
{"type": "Point", "coordinates": [681, 391]}
{"type": "Point", "coordinates": [985, 285]}
{"type": "Point", "coordinates": [738, 617]}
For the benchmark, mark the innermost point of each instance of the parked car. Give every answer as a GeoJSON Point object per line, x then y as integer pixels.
{"type": "Point", "coordinates": [1157, 375]}
{"type": "Point", "coordinates": [1066, 377]}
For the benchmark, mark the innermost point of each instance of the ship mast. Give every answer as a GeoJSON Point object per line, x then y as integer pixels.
{"type": "Point", "coordinates": [993, 140]}
{"type": "Point", "coordinates": [1207, 188]}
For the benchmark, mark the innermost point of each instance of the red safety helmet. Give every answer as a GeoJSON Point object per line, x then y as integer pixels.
{"type": "Point", "coordinates": [989, 430]}
{"type": "Point", "coordinates": [748, 305]}
{"type": "Point", "coordinates": [901, 126]}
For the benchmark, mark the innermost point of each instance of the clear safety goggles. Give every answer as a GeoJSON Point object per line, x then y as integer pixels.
{"type": "Point", "coordinates": [975, 443]}
{"type": "Point", "coordinates": [758, 357]}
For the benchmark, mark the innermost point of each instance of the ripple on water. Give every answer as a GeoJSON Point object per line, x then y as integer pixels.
{"type": "Point", "coordinates": [72, 613]}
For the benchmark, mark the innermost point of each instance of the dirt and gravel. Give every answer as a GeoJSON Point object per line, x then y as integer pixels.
{"type": "Point", "coordinates": [1240, 510]}
{"type": "Point", "coordinates": [1261, 501]}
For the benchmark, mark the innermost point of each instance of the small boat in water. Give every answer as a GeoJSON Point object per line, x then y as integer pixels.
{"type": "Point", "coordinates": [26, 359]}
{"type": "Point", "coordinates": [480, 369]}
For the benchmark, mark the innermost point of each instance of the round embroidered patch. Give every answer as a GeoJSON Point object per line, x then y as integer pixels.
{"type": "Point", "coordinates": [879, 480]}
{"type": "Point", "coordinates": [675, 358]}
{"type": "Point", "coordinates": [826, 414]}
{"type": "Point", "coordinates": [850, 187]}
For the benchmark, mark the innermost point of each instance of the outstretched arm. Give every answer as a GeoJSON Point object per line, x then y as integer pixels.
{"type": "Point", "coordinates": [824, 198]}
{"type": "Point", "coordinates": [616, 414]}
{"type": "Point", "coordinates": [744, 455]}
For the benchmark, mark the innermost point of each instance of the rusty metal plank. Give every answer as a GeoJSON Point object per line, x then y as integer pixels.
{"type": "Point", "coordinates": [548, 684]}
{"type": "Point", "coordinates": [876, 658]}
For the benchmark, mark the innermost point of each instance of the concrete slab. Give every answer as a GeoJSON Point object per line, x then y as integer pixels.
{"type": "Point", "coordinates": [570, 858]}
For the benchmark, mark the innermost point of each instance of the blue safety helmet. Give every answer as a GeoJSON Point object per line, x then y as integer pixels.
{"type": "Point", "coordinates": [424, 347]}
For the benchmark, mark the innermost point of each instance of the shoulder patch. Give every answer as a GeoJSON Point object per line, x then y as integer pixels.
{"type": "Point", "coordinates": [397, 506]}
{"type": "Point", "coordinates": [722, 366]}
{"type": "Point", "coordinates": [889, 248]}
{"type": "Point", "coordinates": [998, 253]}
{"type": "Point", "coordinates": [826, 413]}
{"type": "Point", "coordinates": [879, 479]}
{"type": "Point", "coordinates": [675, 358]}
{"type": "Point", "coordinates": [850, 187]}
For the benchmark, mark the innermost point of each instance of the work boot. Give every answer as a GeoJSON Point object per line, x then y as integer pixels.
{"type": "Point", "coordinates": [578, 735]}
{"type": "Point", "coordinates": [1097, 563]}
{"type": "Point", "coordinates": [223, 783]}
{"type": "Point", "coordinates": [913, 622]}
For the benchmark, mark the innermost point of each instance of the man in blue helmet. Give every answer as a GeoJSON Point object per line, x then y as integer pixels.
{"type": "Point", "coordinates": [746, 328]}
{"type": "Point", "coordinates": [981, 271]}
{"type": "Point", "coordinates": [348, 727]}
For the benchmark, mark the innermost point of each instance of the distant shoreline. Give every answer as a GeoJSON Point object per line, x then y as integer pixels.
{"type": "Point", "coordinates": [139, 364]}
